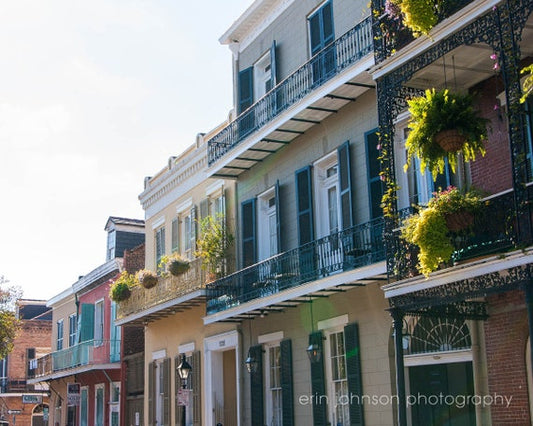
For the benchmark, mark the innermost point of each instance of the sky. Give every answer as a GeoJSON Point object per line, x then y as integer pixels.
{"type": "Point", "coordinates": [94, 96]}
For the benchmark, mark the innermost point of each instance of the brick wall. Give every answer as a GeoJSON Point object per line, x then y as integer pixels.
{"type": "Point", "coordinates": [497, 160]}
{"type": "Point", "coordinates": [134, 259]}
{"type": "Point", "coordinates": [506, 333]}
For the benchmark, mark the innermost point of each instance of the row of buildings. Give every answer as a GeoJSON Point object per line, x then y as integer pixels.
{"type": "Point", "coordinates": [318, 315]}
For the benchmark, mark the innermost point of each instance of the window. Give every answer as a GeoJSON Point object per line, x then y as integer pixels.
{"type": "Point", "coordinates": [59, 339]}
{"type": "Point", "coordinates": [175, 246]}
{"type": "Point", "coordinates": [114, 404]}
{"type": "Point", "coordinates": [99, 323]}
{"type": "Point", "coordinates": [72, 329]}
{"type": "Point", "coordinates": [99, 405]}
{"type": "Point", "coordinates": [274, 411]}
{"type": "Point", "coordinates": [159, 245]}
{"type": "Point", "coordinates": [111, 242]}
{"type": "Point", "coordinates": [84, 406]}
{"type": "Point", "coordinates": [114, 336]}
{"type": "Point", "coordinates": [262, 76]}
{"type": "Point", "coordinates": [321, 35]}
{"type": "Point", "coordinates": [337, 378]}
{"type": "Point", "coordinates": [267, 224]}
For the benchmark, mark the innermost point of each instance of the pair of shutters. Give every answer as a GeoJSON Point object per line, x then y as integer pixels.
{"type": "Point", "coordinates": [304, 196]}
{"type": "Point", "coordinates": [195, 386]}
{"type": "Point", "coordinates": [322, 35]}
{"type": "Point", "coordinates": [249, 228]}
{"type": "Point", "coordinates": [257, 385]}
{"type": "Point", "coordinates": [353, 372]}
{"type": "Point", "coordinates": [246, 82]}
{"type": "Point", "coordinates": [164, 380]}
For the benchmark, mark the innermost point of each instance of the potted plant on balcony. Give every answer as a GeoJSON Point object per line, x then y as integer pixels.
{"type": "Point", "coordinates": [443, 124]}
{"type": "Point", "coordinates": [121, 289]}
{"type": "Point", "coordinates": [174, 264]}
{"type": "Point", "coordinates": [434, 227]}
{"type": "Point", "coordinates": [147, 278]}
{"type": "Point", "coordinates": [417, 15]}
{"type": "Point", "coordinates": [213, 246]}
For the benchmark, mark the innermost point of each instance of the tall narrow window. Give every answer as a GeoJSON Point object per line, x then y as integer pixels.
{"type": "Point", "coordinates": [72, 329]}
{"type": "Point", "coordinates": [159, 245]}
{"type": "Point", "coordinates": [321, 35]}
{"type": "Point", "coordinates": [175, 235]}
{"type": "Point", "coordinates": [340, 411]}
{"type": "Point", "coordinates": [84, 407]}
{"type": "Point", "coordinates": [267, 225]}
{"type": "Point", "coordinates": [59, 339]}
{"type": "Point", "coordinates": [99, 405]}
{"type": "Point", "coordinates": [114, 404]}
{"type": "Point", "coordinates": [98, 323]}
{"type": "Point", "coordinates": [273, 386]}
{"type": "Point", "coordinates": [111, 243]}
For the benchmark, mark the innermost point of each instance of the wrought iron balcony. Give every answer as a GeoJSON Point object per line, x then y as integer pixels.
{"type": "Point", "coordinates": [326, 64]}
{"type": "Point", "coordinates": [494, 231]}
{"type": "Point", "coordinates": [89, 353]}
{"type": "Point", "coordinates": [167, 288]}
{"type": "Point", "coordinates": [390, 34]}
{"type": "Point", "coordinates": [351, 248]}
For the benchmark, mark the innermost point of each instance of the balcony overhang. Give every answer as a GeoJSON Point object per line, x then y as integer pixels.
{"type": "Point", "coordinates": [311, 110]}
{"type": "Point", "coordinates": [165, 309]}
{"type": "Point", "coordinates": [72, 371]}
{"type": "Point", "coordinates": [304, 293]}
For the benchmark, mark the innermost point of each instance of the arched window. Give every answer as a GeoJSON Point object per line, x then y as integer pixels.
{"type": "Point", "coordinates": [439, 335]}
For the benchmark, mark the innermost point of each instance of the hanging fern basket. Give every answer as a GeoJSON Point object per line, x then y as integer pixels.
{"type": "Point", "coordinates": [450, 140]}
{"type": "Point", "coordinates": [178, 267]}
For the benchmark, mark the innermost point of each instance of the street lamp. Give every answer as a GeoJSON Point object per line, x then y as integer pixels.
{"type": "Point", "coordinates": [184, 369]}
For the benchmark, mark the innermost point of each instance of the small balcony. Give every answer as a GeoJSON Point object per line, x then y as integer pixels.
{"type": "Point", "coordinates": [168, 289]}
{"type": "Point", "coordinates": [494, 231]}
{"type": "Point", "coordinates": [91, 353]}
{"type": "Point", "coordinates": [390, 34]}
{"type": "Point", "coordinates": [310, 77]}
{"type": "Point", "coordinates": [349, 249]}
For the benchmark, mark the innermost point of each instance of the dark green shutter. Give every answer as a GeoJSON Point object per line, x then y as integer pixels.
{"type": "Point", "coordinates": [177, 408]}
{"type": "Point", "coordinates": [256, 387]}
{"type": "Point", "coordinates": [249, 248]}
{"type": "Point", "coordinates": [345, 185]}
{"type": "Point", "coordinates": [353, 370]}
{"type": "Point", "coordinates": [304, 205]}
{"type": "Point", "coordinates": [87, 322]}
{"type": "Point", "coordinates": [373, 166]}
{"type": "Point", "coordinates": [287, 405]}
{"type": "Point", "coordinates": [175, 234]}
{"type": "Point", "coordinates": [196, 389]}
{"type": "Point", "coordinates": [278, 217]}
{"type": "Point", "coordinates": [318, 383]}
{"type": "Point", "coordinates": [273, 65]}
{"type": "Point", "coordinates": [246, 89]}
{"type": "Point", "coordinates": [166, 391]}
{"type": "Point", "coordinates": [151, 393]}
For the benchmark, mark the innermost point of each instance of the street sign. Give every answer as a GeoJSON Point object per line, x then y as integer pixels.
{"type": "Point", "coordinates": [32, 399]}
{"type": "Point", "coordinates": [73, 394]}
{"type": "Point", "coordinates": [14, 411]}
{"type": "Point", "coordinates": [183, 397]}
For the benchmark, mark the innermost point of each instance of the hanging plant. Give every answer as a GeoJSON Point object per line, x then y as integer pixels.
{"type": "Point", "coordinates": [121, 289]}
{"type": "Point", "coordinates": [147, 278]}
{"type": "Point", "coordinates": [174, 264]}
{"type": "Point", "coordinates": [432, 229]}
{"type": "Point", "coordinates": [420, 16]}
{"type": "Point", "coordinates": [440, 117]}
{"type": "Point", "coordinates": [527, 87]}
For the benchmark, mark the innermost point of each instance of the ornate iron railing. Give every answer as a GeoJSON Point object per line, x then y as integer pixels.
{"type": "Point", "coordinates": [91, 352]}
{"type": "Point", "coordinates": [166, 289]}
{"type": "Point", "coordinates": [351, 248]}
{"type": "Point", "coordinates": [493, 231]}
{"type": "Point", "coordinates": [390, 34]}
{"type": "Point", "coordinates": [322, 67]}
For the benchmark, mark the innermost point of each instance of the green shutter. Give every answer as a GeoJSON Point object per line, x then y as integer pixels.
{"type": "Point", "coordinates": [345, 185]}
{"type": "Point", "coordinates": [278, 217]}
{"type": "Point", "coordinates": [165, 371]}
{"type": "Point", "coordinates": [318, 383]}
{"type": "Point", "coordinates": [175, 234]}
{"type": "Point", "coordinates": [286, 382]}
{"type": "Point", "coordinates": [87, 322]}
{"type": "Point", "coordinates": [249, 247]}
{"type": "Point", "coordinates": [196, 388]}
{"type": "Point", "coordinates": [256, 387]}
{"type": "Point", "coordinates": [353, 369]}
{"type": "Point", "coordinates": [273, 64]}
{"type": "Point", "coordinates": [373, 167]}
{"type": "Point", "coordinates": [151, 393]}
{"type": "Point", "coordinates": [246, 89]}
{"type": "Point", "coordinates": [304, 205]}
{"type": "Point", "coordinates": [177, 408]}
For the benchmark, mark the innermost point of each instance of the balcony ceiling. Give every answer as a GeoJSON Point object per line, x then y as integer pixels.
{"type": "Point", "coordinates": [289, 125]}
{"type": "Point", "coordinates": [466, 65]}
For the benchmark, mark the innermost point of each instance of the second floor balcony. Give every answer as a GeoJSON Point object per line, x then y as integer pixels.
{"type": "Point", "coordinates": [146, 304]}
{"type": "Point", "coordinates": [92, 354]}
{"type": "Point", "coordinates": [349, 249]}
{"type": "Point", "coordinates": [328, 81]}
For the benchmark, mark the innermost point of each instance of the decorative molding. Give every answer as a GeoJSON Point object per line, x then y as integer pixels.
{"type": "Point", "coordinates": [270, 337]}
{"type": "Point", "coordinates": [160, 354]}
{"type": "Point", "coordinates": [186, 348]}
{"type": "Point", "coordinates": [332, 322]}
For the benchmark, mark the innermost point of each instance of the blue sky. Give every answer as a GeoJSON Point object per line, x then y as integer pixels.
{"type": "Point", "coordinates": [94, 96]}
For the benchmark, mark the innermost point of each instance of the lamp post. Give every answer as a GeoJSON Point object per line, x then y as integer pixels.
{"type": "Point", "coordinates": [184, 369]}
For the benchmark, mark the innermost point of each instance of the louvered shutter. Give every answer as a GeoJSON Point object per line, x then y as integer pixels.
{"type": "Point", "coordinates": [204, 208]}
{"type": "Point", "coordinates": [345, 185]}
{"type": "Point", "coordinates": [353, 370]}
{"type": "Point", "coordinates": [194, 227]}
{"type": "Point", "coordinates": [196, 388]}
{"type": "Point", "coordinates": [304, 211]}
{"type": "Point", "coordinates": [286, 382]}
{"type": "Point", "coordinates": [87, 322]}
{"type": "Point", "coordinates": [278, 217]}
{"type": "Point", "coordinates": [273, 64]}
{"type": "Point", "coordinates": [175, 235]}
{"type": "Point", "coordinates": [178, 409]}
{"type": "Point", "coordinates": [375, 185]}
{"type": "Point", "coordinates": [151, 393]}
{"type": "Point", "coordinates": [318, 383]}
{"type": "Point", "coordinates": [249, 246]}
{"type": "Point", "coordinates": [256, 387]}
{"type": "Point", "coordinates": [246, 89]}
{"type": "Point", "coordinates": [165, 371]}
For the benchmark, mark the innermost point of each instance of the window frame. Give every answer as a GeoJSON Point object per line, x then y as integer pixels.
{"type": "Point", "coordinates": [269, 400]}
{"type": "Point", "coordinates": [72, 329]}
{"type": "Point", "coordinates": [60, 334]}
{"type": "Point", "coordinates": [97, 387]}
{"type": "Point", "coordinates": [265, 212]}
{"type": "Point", "coordinates": [99, 323]}
{"type": "Point", "coordinates": [330, 384]}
